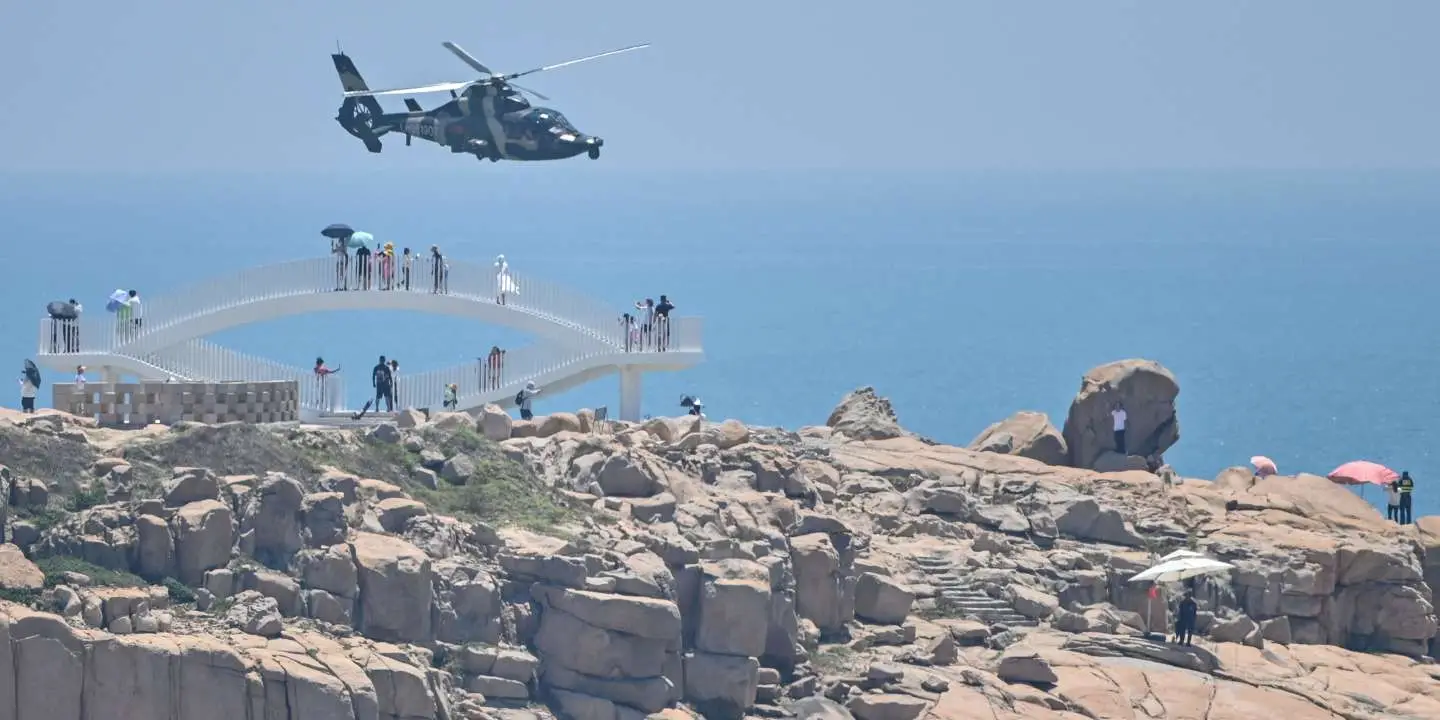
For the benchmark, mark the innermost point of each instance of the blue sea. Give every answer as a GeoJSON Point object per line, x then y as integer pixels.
{"type": "Point", "coordinates": [1297, 309]}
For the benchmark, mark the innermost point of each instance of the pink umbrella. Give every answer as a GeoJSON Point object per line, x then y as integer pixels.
{"type": "Point", "coordinates": [1363, 472]}
{"type": "Point", "coordinates": [1264, 466]}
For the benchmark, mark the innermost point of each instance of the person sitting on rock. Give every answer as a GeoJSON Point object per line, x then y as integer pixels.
{"type": "Point", "coordinates": [1117, 417]}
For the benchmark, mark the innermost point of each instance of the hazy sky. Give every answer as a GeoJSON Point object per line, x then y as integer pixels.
{"type": "Point", "coordinates": [1065, 84]}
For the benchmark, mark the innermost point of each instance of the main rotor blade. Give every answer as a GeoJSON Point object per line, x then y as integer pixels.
{"type": "Point", "coordinates": [438, 87]}
{"type": "Point", "coordinates": [467, 58]}
{"type": "Point", "coordinates": [522, 88]}
{"type": "Point", "coordinates": [512, 76]}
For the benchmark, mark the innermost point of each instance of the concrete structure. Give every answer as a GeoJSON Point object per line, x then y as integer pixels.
{"type": "Point", "coordinates": [143, 403]}
{"type": "Point", "coordinates": [581, 339]}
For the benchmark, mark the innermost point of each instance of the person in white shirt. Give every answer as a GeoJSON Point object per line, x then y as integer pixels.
{"type": "Point", "coordinates": [1392, 502]}
{"type": "Point", "coordinates": [136, 312]}
{"type": "Point", "coordinates": [1117, 416]}
{"type": "Point", "coordinates": [27, 394]}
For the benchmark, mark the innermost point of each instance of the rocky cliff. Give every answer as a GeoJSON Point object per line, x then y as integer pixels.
{"type": "Point", "coordinates": [474, 567]}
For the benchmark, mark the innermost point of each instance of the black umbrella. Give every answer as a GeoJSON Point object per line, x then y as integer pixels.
{"type": "Point", "coordinates": [339, 231]}
{"type": "Point", "coordinates": [61, 310]}
{"type": "Point", "coordinates": [32, 373]}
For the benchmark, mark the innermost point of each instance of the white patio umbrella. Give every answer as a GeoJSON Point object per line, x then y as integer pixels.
{"type": "Point", "coordinates": [1180, 554]}
{"type": "Point", "coordinates": [1182, 568]}
{"type": "Point", "coordinates": [1174, 569]}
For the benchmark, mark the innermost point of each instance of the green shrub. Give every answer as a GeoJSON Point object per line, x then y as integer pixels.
{"type": "Point", "coordinates": [56, 566]}
{"type": "Point", "coordinates": [179, 592]}
{"type": "Point", "coordinates": [22, 596]}
{"type": "Point", "coordinates": [87, 497]}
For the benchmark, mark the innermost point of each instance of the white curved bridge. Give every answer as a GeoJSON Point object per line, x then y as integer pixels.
{"type": "Point", "coordinates": [582, 339]}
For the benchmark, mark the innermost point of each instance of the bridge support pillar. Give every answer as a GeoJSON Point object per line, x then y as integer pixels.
{"type": "Point", "coordinates": [630, 392]}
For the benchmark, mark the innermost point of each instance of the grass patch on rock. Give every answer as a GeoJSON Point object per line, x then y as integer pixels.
{"type": "Point", "coordinates": [55, 567]}
{"type": "Point", "coordinates": [227, 449]}
{"type": "Point", "coordinates": [502, 491]}
{"type": "Point", "coordinates": [62, 463]}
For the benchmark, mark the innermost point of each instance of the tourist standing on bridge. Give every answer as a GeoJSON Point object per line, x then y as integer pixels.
{"type": "Point", "coordinates": [662, 321]}
{"type": "Point", "coordinates": [362, 266]}
{"type": "Point", "coordinates": [387, 266]}
{"type": "Point", "coordinates": [339, 247]}
{"type": "Point", "coordinates": [493, 369]}
{"type": "Point", "coordinates": [439, 271]}
{"type": "Point", "coordinates": [136, 312]}
{"type": "Point", "coordinates": [646, 318]}
{"type": "Point", "coordinates": [381, 378]}
{"type": "Point", "coordinates": [406, 260]}
{"type": "Point", "coordinates": [504, 284]}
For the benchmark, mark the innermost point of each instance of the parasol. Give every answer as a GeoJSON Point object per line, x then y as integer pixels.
{"type": "Point", "coordinates": [1264, 466]}
{"type": "Point", "coordinates": [61, 310]}
{"type": "Point", "coordinates": [1363, 472]}
{"type": "Point", "coordinates": [338, 231]}
{"type": "Point", "coordinates": [1182, 568]}
{"type": "Point", "coordinates": [117, 299]}
{"type": "Point", "coordinates": [32, 373]}
{"type": "Point", "coordinates": [359, 240]}
{"type": "Point", "coordinates": [1180, 554]}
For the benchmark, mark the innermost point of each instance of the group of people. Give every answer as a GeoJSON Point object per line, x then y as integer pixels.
{"type": "Point", "coordinates": [648, 328]}
{"type": "Point", "coordinates": [381, 269]}
{"type": "Point", "coordinates": [384, 379]}
{"type": "Point", "coordinates": [1399, 497]}
{"type": "Point", "coordinates": [65, 319]}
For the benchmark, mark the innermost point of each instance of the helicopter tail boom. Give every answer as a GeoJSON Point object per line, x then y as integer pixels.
{"type": "Point", "coordinates": [357, 115]}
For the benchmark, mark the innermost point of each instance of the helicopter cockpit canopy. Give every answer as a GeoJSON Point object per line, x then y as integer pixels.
{"type": "Point", "coordinates": [551, 119]}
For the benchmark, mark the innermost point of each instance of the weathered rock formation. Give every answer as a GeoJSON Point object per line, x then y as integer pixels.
{"type": "Point", "coordinates": [1146, 389]}
{"type": "Point", "coordinates": [676, 568]}
{"type": "Point", "coordinates": [1027, 434]}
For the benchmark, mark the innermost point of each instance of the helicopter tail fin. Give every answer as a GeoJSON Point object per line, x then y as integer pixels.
{"type": "Point", "coordinates": [357, 114]}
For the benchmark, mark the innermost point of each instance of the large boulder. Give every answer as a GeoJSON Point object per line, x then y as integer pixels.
{"type": "Point", "coordinates": [864, 415]}
{"type": "Point", "coordinates": [1027, 434]}
{"type": "Point", "coordinates": [1146, 389]}
{"type": "Point", "coordinates": [395, 588]}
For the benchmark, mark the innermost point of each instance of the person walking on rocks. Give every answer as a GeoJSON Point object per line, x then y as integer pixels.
{"type": "Point", "coordinates": [1185, 620]}
{"type": "Point", "coordinates": [524, 399]}
{"type": "Point", "coordinates": [29, 387]}
{"type": "Point", "coordinates": [1117, 418]}
{"type": "Point", "coordinates": [1406, 486]}
{"type": "Point", "coordinates": [395, 380]}
{"type": "Point", "coordinates": [381, 378]}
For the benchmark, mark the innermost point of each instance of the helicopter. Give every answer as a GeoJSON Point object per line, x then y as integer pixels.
{"type": "Point", "coordinates": [488, 117]}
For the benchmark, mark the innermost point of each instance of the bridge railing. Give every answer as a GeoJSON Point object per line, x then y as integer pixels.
{"type": "Point", "coordinates": [99, 331]}
{"type": "Point", "coordinates": [484, 379]}
{"type": "Point", "coordinates": [203, 360]}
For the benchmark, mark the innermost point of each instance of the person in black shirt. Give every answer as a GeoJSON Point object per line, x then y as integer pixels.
{"type": "Point", "coordinates": [437, 270]}
{"type": "Point", "coordinates": [362, 267]}
{"type": "Point", "coordinates": [383, 381]}
{"type": "Point", "coordinates": [662, 319]}
{"type": "Point", "coordinates": [1406, 486]}
{"type": "Point", "coordinates": [1185, 621]}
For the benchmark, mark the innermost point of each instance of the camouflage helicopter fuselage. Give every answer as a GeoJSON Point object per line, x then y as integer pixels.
{"type": "Point", "coordinates": [489, 120]}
